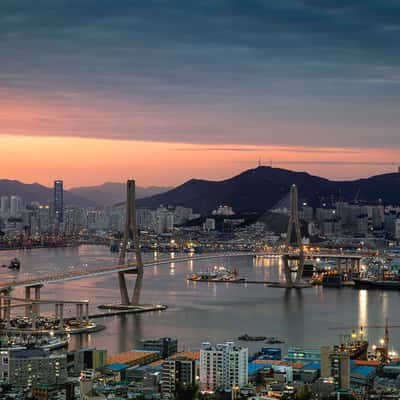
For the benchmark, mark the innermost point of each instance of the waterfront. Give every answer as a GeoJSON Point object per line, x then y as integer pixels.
{"type": "Point", "coordinates": [208, 311]}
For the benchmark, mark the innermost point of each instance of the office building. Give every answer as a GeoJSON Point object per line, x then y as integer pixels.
{"type": "Point", "coordinates": [58, 201]}
{"type": "Point", "coordinates": [165, 346]}
{"type": "Point", "coordinates": [35, 366]}
{"type": "Point", "coordinates": [223, 366]}
{"type": "Point", "coordinates": [181, 370]}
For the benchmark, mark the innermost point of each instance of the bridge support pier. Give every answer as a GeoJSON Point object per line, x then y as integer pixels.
{"type": "Point", "coordinates": [7, 312]}
{"type": "Point", "coordinates": [27, 299]}
{"type": "Point", "coordinates": [37, 297]}
{"type": "Point", "coordinates": [61, 319]}
{"type": "Point", "coordinates": [87, 313]}
{"type": "Point", "coordinates": [33, 315]}
{"type": "Point", "coordinates": [1, 306]}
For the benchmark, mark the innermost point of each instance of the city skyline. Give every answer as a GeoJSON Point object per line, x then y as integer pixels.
{"type": "Point", "coordinates": [111, 91]}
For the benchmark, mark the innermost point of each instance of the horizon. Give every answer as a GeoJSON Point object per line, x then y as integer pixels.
{"type": "Point", "coordinates": [67, 187]}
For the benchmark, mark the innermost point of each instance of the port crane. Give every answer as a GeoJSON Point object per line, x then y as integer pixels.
{"type": "Point", "coordinates": [383, 349]}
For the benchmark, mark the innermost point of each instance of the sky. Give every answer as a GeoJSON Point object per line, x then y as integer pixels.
{"type": "Point", "coordinates": [166, 90]}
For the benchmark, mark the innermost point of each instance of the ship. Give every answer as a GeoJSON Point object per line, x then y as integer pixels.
{"type": "Point", "coordinates": [216, 274]}
{"type": "Point", "coordinates": [374, 283]}
{"type": "Point", "coordinates": [248, 338]}
{"type": "Point", "coordinates": [332, 279]}
{"type": "Point", "coordinates": [14, 264]}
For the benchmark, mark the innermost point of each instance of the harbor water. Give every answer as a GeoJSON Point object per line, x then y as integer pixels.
{"type": "Point", "coordinates": [205, 311]}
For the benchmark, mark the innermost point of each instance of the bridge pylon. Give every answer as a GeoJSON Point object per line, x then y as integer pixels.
{"type": "Point", "coordinates": [130, 232]}
{"type": "Point", "coordinates": [294, 224]}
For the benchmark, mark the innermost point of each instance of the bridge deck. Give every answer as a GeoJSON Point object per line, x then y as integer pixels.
{"type": "Point", "coordinates": [70, 276]}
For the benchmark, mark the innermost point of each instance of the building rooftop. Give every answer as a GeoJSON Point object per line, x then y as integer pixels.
{"type": "Point", "coordinates": [192, 355]}
{"type": "Point", "coordinates": [116, 367]}
{"type": "Point", "coordinates": [132, 357]}
{"type": "Point", "coordinates": [363, 370]}
{"type": "Point", "coordinates": [28, 353]}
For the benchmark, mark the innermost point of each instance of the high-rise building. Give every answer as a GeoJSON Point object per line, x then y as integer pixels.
{"type": "Point", "coordinates": [15, 205]}
{"type": "Point", "coordinates": [58, 201]}
{"type": "Point", "coordinates": [336, 364]}
{"type": "Point", "coordinates": [223, 366]}
{"type": "Point", "coordinates": [4, 205]}
{"type": "Point", "coordinates": [181, 370]}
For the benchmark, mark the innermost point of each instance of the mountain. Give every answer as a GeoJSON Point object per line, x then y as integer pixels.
{"type": "Point", "coordinates": [110, 193]}
{"type": "Point", "coordinates": [36, 192]}
{"type": "Point", "coordinates": [261, 188]}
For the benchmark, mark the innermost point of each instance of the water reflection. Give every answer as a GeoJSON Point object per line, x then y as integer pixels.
{"type": "Point", "coordinates": [363, 310]}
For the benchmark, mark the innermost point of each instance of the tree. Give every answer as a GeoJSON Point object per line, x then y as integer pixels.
{"type": "Point", "coordinates": [185, 392]}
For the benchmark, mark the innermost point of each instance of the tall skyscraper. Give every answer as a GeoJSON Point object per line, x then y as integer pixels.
{"type": "Point", "coordinates": [15, 205]}
{"type": "Point", "coordinates": [4, 205]}
{"type": "Point", "coordinates": [58, 201]}
{"type": "Point", "coordinates": [223, 366]}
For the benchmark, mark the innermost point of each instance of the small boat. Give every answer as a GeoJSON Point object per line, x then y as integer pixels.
{"type": "Point", "coordinates": [14, 264]}
{"type": "Point", "coordinates": [217, 274]}
{"type": "Point", "coordinates": [273, 340]}
{"type": "Point", "coordinates": [248, 338]}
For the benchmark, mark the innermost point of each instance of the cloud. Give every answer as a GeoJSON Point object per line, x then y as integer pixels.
{"type": "Point", "coordinates": [255, 72]}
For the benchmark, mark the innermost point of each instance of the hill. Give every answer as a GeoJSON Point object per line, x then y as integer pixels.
{"type": "Point", "coordinates": [261, 188]}
{"type": "Point", "coordinates": [36, 192]}
{"type": "Point", "coordinates": [110, 193]}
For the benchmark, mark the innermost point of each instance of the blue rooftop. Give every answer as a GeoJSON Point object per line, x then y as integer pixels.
{"type": "Point", "coordinates": [313, 365]}
{"type": "Point", "coordinates": [253, 368]}
{"type": "Point", "coordinates": [117, 367]}
{"type": "Point", "coordinates": [364, 370]}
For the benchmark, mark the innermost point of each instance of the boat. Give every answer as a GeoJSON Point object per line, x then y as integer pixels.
{"type": "Point", "coordinates": [309, 268]}
{"type": "Point", "coordinates": [374, 283]}
{"type": "Point", "coordinates": [332, 279]}
{"type": "Point", "coordinates": [216, 274]}
{"type": "Point", "coordinates": [14, 263]}
{"type": "Point", "coordinates": [273, 340]}
{"type": "Point", "coordinates": [248, 338]}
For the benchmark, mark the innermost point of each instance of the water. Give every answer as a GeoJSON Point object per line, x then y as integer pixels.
{"type": "Point", "coordinates": [213, 312]}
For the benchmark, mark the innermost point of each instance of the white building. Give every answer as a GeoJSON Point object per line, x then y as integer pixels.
{"type": "Point", "coordinates": [224, 210]}
{"type": "Point", "coordinates": [209, 224]}
{"type": "Point", "coordinates": [222, 366]}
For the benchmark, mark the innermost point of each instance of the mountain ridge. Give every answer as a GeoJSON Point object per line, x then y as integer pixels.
{"type": "Point", "coordinates": [261, 188]}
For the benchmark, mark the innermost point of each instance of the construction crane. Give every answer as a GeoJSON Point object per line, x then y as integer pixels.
{"type": "Point", "coordinates": [383, 349]}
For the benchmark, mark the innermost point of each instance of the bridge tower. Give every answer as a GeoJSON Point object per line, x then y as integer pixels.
{"type": "Point", "coordinates": [294, 224]}
{"type": "Point", "coordinates": [130, 232]}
